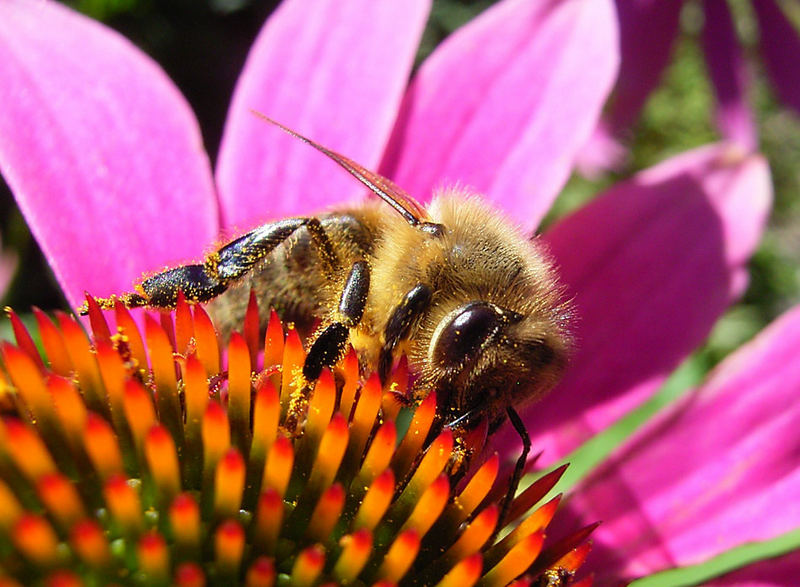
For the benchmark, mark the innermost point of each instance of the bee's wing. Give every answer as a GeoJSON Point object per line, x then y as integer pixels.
{"type": "Point", "coordinates": [381, 186]}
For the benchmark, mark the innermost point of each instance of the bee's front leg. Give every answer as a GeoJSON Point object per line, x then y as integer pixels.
{"type": "Point", "coordinates": [519, 468]}
{"type": "Point", "coordinates": [331, 343]}
{"type": "Point", "coordinates": [398, 327]}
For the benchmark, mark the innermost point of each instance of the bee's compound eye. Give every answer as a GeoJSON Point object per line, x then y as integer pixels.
{"type": "Point", "coordinates": [464, 332]}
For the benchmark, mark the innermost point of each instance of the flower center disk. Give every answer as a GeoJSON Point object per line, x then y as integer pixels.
{"type": "Point", "coordinates": [170, 457]}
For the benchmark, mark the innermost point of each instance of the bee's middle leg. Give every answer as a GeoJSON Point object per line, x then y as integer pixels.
{"type": "Point", "coordinates": [331, 343]}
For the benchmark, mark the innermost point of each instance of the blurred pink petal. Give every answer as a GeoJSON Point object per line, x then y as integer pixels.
{"type": "Point", "coordinates": [601, 153]}
{"type": "Point", "coordinates": [647, 30]}
{"type": "Point", "coordinates": [775, 572]}
{"type": "Point", "coordinates": [100, 149]}
{"type": "Point", "coordinates": [651, 265]}
{"type": "Point", "coordinates": [729, 75]}
{"type": "Point", "coordinates": [335, 72]}
{"type": "Point", "coordinates": [780, 48]}
{"type": "Point", "coordinates": [717, 470]}
{"type": "Point", "coordinates": [504, 103]}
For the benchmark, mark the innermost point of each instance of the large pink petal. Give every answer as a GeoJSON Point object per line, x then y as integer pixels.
{"type": "Point", "coordinates": [719, 469]}
{"type": "Point", "coordinates": [780, 47]}
{"type": "Point", "coordinates": [503, 104]}
{"type": "Point", "coordinates": [729, 75]}
{"type": "Point", "coordinates": [775, 572]}
{"type": "Point", "coordinates": [333, 70]}
{"type": "Point", "coordinates": [647, 30]}
{"type": "Point", "coordinates": [100, 149]}
{"type": "Point", "coordinates": [651, 266]}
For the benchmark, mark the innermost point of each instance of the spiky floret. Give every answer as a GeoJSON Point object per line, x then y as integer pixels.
{"type": "Point", "coordinates": [170, 457]}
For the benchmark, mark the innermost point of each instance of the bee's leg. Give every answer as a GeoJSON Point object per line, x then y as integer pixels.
{"type": "Point", "coordinates": [203, 282]}
{"type": "Point", "coordinates": [519, 468]}
{"type": "Point", "coordinates": [330, 345]}
{"type": "Point", "coordinates": [414, 303]}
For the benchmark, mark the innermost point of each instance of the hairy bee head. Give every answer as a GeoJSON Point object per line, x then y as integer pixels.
{"type": "Point", "coordinates": [496, 334]}
{"type": "Point", "coordinates": [486, 358]}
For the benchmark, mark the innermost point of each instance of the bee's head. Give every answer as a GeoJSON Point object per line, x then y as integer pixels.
{"type": "Point", "coordinates": [484, 358]}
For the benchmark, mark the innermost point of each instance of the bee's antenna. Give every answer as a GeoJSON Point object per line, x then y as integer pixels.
{"type": "Point", "coordinates": [382, 187]}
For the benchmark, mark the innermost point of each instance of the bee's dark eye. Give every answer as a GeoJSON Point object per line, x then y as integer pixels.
{"type": "Point", "coordinates": [465, 333]}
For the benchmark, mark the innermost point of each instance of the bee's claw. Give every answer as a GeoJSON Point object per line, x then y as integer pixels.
{"type": "Point", "coordinates": [128, 300]}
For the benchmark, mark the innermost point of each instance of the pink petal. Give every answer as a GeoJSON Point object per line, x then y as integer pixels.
{"type": "Point", "coordinates": [601, 153]}
{"type": "Point", "coordinates": [334, 71]}
{"type": "Point", "coordinates": [729, 75]}
{"type": "Point", "coordinates": [780, 47]}
{"type": "Point", "coordinates": [717, 470]}
{"type": "Point", "coordinates": [647, 30]}
{"type": "Point", "coordinates": [504, 104]}
{"type": "Point", "coordinates": [100, 149]}
{"type": "Point", "coordinates": [651, 265]}
{"type": "Point", "coordinates": [774, 572]}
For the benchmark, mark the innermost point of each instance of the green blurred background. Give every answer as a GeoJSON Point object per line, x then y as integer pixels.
{"type": "Point", "coordinates": [202, 44]}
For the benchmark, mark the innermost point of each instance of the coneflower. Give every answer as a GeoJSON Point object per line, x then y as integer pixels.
{"type": "Point", "coordinates": [170, 458]}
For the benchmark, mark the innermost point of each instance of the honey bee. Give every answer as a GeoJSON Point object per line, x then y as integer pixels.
{"type": "Point", "coordinates": [472, 302]}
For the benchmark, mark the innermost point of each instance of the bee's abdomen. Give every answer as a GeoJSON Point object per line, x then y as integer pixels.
{"type": "Point", "coordinates": [292, 279]}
